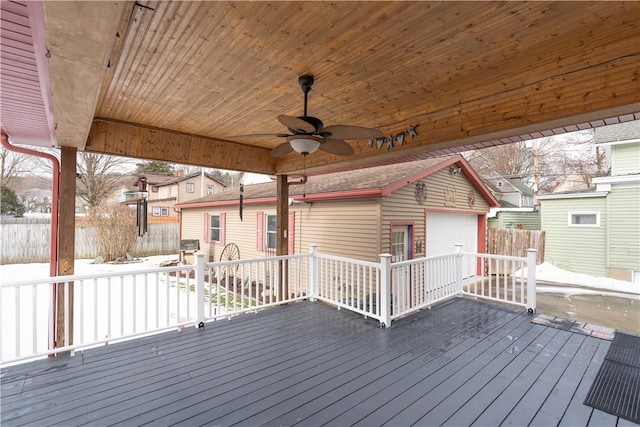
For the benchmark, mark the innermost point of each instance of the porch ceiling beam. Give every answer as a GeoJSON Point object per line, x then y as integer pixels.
{"type": "Point", "coordinates": [594, 93]}
{"type": "Point", "coordinates": [128, 140]}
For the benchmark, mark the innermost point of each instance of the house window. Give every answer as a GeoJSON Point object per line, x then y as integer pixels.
{"type": "Point", "coordinates": [154, 188]}
{"type": "Point", "coordinates": [160, 211]}
{"type": "Point", "coordinates": [209, 190]}
{"type": "Point", "coordinates": [584, 219]}
{"type": "Point", "coordinates": [214, 228]}
{"type": "Point", "coordinates": [270, 232]}
{"type": "Point", "coordinates": [499, 184]}
{"type": "Point", "coordinates": [191, 187]}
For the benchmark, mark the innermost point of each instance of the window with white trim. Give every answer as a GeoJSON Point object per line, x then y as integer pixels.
{"type": "Point", "coordinates": [191, 187]}
{"type": "Point", "coordinates": [214, 227]}
{"type": "Point", "coordinates": [270, 229]}
{"type": "Point", "coordinates": [584, 219]}
{"type": "Point", "coordinates": [209, 190]}
{"type": "Point", "coordinates": [160, 211]}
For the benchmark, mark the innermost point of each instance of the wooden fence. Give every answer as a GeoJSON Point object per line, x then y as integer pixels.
{"type": "Point", "coordinates": [513, 242]}
{"type": "Point", "coordinates": [24, 240]}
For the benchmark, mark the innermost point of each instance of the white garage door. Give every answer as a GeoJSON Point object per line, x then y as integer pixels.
{"type": "Point", "coordinates": [444, 230]}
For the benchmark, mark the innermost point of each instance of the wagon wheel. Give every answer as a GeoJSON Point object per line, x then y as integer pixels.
{"type": "Point", "coordinates": [231, 252]}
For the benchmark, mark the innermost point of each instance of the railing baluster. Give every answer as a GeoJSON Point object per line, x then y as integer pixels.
{"type": "Point", "coordinates": [34, 319]}
{"type": "Point", "coordinates": [16, 296]}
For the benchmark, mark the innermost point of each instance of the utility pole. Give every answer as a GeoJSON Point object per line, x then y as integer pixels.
{"type": "Point", "coordinates": [536, 171]}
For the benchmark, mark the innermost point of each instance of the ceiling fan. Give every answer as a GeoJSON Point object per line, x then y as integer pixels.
{"type": "Point", "coordinates": [308, 134]}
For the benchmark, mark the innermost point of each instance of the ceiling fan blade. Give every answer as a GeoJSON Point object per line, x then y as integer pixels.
{"type": "Point", "coordinates": [296, 125]}
{"type": "Point", "coordinates": [281, 150]}
{"type": "Point", "coordinates": [336, 146]}
{"type": "Point", "coordinates": [352, 132]}
{"type": "Point", "coordinates": [261, 135]}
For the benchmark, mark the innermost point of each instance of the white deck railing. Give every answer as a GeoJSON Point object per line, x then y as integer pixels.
{"type": "Point", "coordinates": [116, 306]}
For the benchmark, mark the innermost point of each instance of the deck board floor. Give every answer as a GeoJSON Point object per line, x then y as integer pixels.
{"type": "Point", "coordinates": [462, 363]}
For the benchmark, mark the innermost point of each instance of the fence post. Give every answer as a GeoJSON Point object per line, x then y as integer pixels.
{"type": "Point", "coordinates": [531, 280]}
{"type": "Point", "coordinates": [199, 273]}
{"type": "Point", "coordinates": [385, 290]}
{"type": "Point", "coordinates": [458, 255]}
{"type": "Point", "coordinates": [313, 272]}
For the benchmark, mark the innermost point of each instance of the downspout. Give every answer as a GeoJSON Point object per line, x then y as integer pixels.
{"type": "Point", "coordinates": [53, 244]}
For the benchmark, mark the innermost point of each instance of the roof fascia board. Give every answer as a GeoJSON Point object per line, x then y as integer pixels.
{"type": "Point", "coordinates": [475, 180]}
{"type": "Point", "coordinates": [38, 35]}
{"type": "Point", "coordinates": [619, 142]}
{"type": "Point", "coordinates": [573, 196]}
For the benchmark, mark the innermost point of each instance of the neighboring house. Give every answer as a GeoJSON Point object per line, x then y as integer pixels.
{"type": "Point", "coordinates": [34, 192]}
{"type": "Point", "coordinates": [510, 192]}
{"type": "Point", "coordinates": [515, 218]}
{"type": "Point", "coordinates": [165, 191]}
{"type": "Point", "coordinates": [409, 210]}
{"type": "Point", "coordinates": [597, 231]}
{"type": "Point", "coordinates": [517, 203]}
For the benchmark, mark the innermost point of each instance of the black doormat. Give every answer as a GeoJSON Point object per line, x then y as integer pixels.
{"type": "Point", "coordinates": [616, 388]}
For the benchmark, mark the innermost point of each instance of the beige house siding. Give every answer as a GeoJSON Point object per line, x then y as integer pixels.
{"type": "Point", "coordinates": [444, 192]}
{"type": "Point", "coordinates": [347, 215]}
{"type": "Point", "coordinates": [353, 235]}
{"type": "Point", "coordinates": [171, 194]}
{"type": "Point", "coordinates": [343, 228]}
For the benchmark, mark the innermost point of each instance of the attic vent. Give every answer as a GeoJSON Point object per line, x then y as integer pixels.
{"type": "Point", "coordinates": [499, 184]}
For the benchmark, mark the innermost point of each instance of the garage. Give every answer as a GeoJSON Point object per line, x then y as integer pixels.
{"type": "Point", "coordinates": [444, 230]}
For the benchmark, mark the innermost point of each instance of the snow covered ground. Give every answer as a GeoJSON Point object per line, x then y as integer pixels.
{"type": "Point", "coordinates": [582, 283]}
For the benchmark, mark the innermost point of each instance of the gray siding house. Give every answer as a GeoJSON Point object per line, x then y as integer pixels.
{"type": "Point", "coordinates": [597, 231]}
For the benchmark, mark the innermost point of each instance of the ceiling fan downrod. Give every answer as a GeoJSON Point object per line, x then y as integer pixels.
{"type": "Point", "coordinates": [305, 82]}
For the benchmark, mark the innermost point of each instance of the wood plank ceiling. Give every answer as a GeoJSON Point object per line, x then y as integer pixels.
{"type": "Point", "coordinates": [181, 81]}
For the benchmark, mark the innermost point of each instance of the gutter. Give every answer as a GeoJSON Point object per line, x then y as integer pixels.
{"type": "Point", "coordinates": [53, 244]}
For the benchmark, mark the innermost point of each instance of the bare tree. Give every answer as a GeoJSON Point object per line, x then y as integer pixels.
{"type": "Point", "coordinates": [11, 166]}
{"type": "Point", "coordinates": [544, 163]}
{"type": "Point", "coordinates": [99, 175]}
{"type": "Point", "coordinates": [98, 178]}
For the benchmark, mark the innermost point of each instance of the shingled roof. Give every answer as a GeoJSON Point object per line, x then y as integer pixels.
{"type": "Point", "coordinates": [379, 180]}
{"type": "Point", "coordinates": [619, 132]}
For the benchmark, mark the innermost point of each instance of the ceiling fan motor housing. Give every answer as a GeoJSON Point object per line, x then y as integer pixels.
{"type": "Point", "coordinates": [305, 82]}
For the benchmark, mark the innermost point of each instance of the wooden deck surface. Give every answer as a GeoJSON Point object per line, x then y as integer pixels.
{"type": "Point", "coordinates": [465, 362]}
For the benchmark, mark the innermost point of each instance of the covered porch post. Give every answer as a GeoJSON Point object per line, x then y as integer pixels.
{"type": "Point", "coordinates": [282, 236]}
{"type": "Point", "coordinates": [66, 239]}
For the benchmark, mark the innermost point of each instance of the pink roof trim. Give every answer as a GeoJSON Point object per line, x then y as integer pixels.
{"type": "Point", "coordinates": [466, 171]}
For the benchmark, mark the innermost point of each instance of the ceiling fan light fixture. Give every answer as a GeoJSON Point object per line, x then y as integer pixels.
{"type": "Point", "coordinates": [304, 145]}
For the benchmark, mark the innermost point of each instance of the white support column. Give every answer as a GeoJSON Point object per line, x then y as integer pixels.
{"type": "Point", "coordinates": [458, 252]}
{"type": "Point", "coordinates": [199, 276]}
{"type": "Point", "coordinates": [385, 290]}
{"type": "Point", "coordinates": [531, 280]}
{"type": "Point", "coordinates": [313, 272]}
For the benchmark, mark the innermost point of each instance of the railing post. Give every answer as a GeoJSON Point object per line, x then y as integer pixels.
{"type": "Point", "coordinates": [458, 255]}
{"type": "Point", "coordinates": [385, 290]}
{"type": "Point", "coordinates": [313, 272]}
{"type": "Point", "coordinates": [199, 276]}
{"type": "Point", "coordinates": [531, 280]}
